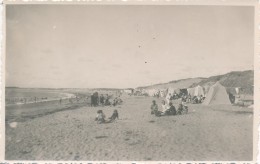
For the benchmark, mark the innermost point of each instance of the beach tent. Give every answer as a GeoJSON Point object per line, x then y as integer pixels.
{"type": "Point", "coordinates": [191, 91]}
{"type": "Point", "coordinates": [152, 92]}
{"type": "Point", "coordinates": [199, 91]}
{"type": "Point", "coordinates": [196, 91]}
{"type": "Point", "coordinates": [171, 91]}
{"type": "Point", "coordinates": [217, 95]}
{"type": "Point", "coordinates": [128, 91]}
{"type": "Point", "coordinates": [206, 89]}
{"type": "Point", "coordinates": [163, 92]}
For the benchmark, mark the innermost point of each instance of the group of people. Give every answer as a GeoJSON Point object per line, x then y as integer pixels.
{"type": "Point", "coordinates": [187, 98]}
{"type": "Point", "coordinates": [104, 100]}
{"type": "Point", "coordinates": [101, 117]}
{"type": "Point", "coordinates": [168, 109]}
{"type": "Point", "coordinates": [197, 99]}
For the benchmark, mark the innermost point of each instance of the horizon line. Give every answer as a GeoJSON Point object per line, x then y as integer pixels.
{"type": "Point", "coordinates": [126, 87]}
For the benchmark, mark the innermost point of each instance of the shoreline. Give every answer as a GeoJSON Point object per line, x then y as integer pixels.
{"type": "Point", "coordinates": [68, 96]}
{"type": "Point", "coordinates": [24, 112]}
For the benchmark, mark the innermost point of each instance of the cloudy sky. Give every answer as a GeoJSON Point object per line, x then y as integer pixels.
{"type": "Point", "coordinates": [124, 46]}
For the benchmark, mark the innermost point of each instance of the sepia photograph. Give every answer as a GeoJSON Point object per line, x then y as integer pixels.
{"type": "Point", "coordinates": [97, 82]}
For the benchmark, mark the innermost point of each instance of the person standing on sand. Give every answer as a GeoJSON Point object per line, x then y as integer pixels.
{"type": "Point", "coordinates": [60, 100]}
{"type": "Point", "coordinates": [102, 99]}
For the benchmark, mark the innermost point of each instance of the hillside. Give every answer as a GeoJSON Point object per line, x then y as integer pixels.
{"type": "Point", "coordinates": [231, 80]}
{"type": "Point", "coordinates": [183, 83]}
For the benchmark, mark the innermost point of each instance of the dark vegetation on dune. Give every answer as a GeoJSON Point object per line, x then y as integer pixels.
{"type": "Point", "coordinates": [243, 79]}
{"type": "Point", "coordinates": [231, 80]}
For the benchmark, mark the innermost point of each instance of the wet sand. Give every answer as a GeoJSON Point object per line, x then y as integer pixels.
{"type": "Point", "coordinates": [205, 133]}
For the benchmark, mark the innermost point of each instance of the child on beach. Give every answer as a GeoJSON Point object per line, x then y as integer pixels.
{"type": "Point", "coordinates": [114, 116]}
{"type": "Point", "coordinates": [100, 117]}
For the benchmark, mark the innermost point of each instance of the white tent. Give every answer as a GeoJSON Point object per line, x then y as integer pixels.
{"type": "Point", "coordinates": [196, 91]}
{"type": "Point", "coordinates": [217, 95]}
{"type": "Point", "coordinates": [163, 92]}
{"type": "Point", "coordinates": [152, 92]}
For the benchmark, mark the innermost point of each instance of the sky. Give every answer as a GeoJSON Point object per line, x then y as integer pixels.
{"type": "Point", "coordinates": [121, 46]}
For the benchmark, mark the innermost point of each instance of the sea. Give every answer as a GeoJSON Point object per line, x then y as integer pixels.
{"type": "Point", "coordinates": [17, 96]}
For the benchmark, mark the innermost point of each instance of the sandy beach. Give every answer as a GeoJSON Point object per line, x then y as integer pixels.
{"type": "Point", "coordinates": [205, 133]}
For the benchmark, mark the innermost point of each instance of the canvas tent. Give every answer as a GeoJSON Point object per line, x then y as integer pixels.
{"type": "Point", "coordinates": [129, 91]}
{"type": "Point", "coordinates": [191, 91]}
{"type": "Point", "coordinates": [217, 95]}
{"type": "Point", "coordinates": [196, 91]}
{"type": "Point", "coordinates": [162, 92]}
{"type": "Point", "coordinates": [152, 92]}
{"type": "Point", "coordinates": [173, 90]}
{"type": "Point", "coordinates": [206, 89]}
{"type": "Point", "coordinates": [199, 91]}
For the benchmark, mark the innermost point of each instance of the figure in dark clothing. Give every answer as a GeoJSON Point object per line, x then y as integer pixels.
{"type": "Point", "coordinates": [102, 99]}
{"type": "Point", "coordinates": [182, 109]}
{"type": "Point", "coordinates": [154, 107]}
{"type": "Point", "coordinates": [107, 102]}
{"type": "Point", "coordinates": [114, 116]}
{"type": "Point", "coordinates": [92, 100]}
{"type": "Point", "coordinates": [171, 110]}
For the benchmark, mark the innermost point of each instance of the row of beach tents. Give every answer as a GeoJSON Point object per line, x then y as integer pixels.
{"type": "Point", "coordinates": [215, 94]}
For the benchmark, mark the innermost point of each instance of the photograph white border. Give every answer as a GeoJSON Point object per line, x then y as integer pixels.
{"type": "Point", "coordinates": [253, 3]}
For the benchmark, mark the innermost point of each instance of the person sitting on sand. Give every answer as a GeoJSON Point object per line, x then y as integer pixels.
{"type": "Point", "coordinates": [180, 109]}
{"type": "Point", "coordinates": [165, 107]}
{"type": "Point", "coordinates": [115, 102]}
{"type": "Point", "coordinates": [168, 98]}
{"type": "Point", "coordinates": [171, 110]}
{"type": "Point", "coordinates": [107, 102]}
{"type": "Point", "coordinates": [154, 107]}
{"type": "Point", "coordinates": [100, 117]}
{"type": "Point", "coordinates": [195, 100]}
{"type": "Point", "coordinates": [114, 116]}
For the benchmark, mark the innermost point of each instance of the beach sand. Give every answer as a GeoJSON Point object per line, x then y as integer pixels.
{"type": "Point", "coordinates": [205, 133]}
